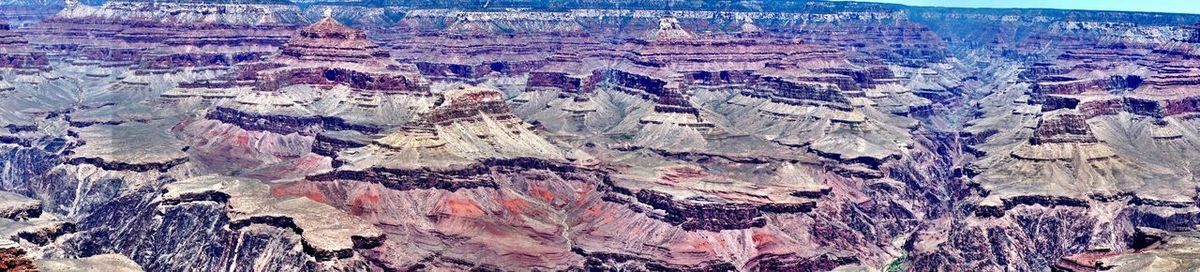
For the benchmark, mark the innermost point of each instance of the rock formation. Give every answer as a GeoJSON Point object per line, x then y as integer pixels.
{"type": "Point", "coordinates": [586, 135]}
{"type": "Point", "coordinates": [16, 53]}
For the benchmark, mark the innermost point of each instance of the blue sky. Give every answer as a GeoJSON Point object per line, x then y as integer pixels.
{"type": "Point", "coordinates": [1175, 6]}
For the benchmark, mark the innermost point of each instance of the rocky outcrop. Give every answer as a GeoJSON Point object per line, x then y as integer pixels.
{"type": "Point", "coordinates": [221, 12]}
{"type": "Point", "coordinates": [120, 33]}
{"type": "Point", "coordinates": [1155, 251]}
{"type": "Point", "coordinates": [323, 237]}
{"type": "Point", "coordinates": [1062, 127]}
{"type": "Point", "coordinates": [784, 262]}
{"type": "Point", "coordinates": [18, 207]}
{"type": "Point", "coordinates": [695, 216]}
{"type": "Point", "coordinates": [470, 105]}
{"type": "Point", "coordinates": [668, 29]}
{"type": "Point", "coordinates": [15, 51]}
{"type": "Point", "coordinates": [383, 83]}
{"type": "Point", "coordinates": [312, 55]}
{"type": "Point", "coordinates": [124, 166]}
{"type": "Point", "coordinates": [469, 125]}
{"type": "Point", "coordinates": [617, 261]}
{"type": "Point", "coordinates": [13, 259]}
{"type": "Point", "coordinates": [414, 179]}
{"type": "Point", "coordinates": [290, 233]}
{"type": "Point", "coordinates": [285, 124]}
{"type": "Point", "coordinates": [328, 40]}
{"type": "Point", "coordinates": [795, 92]}
{"type": "Point", "coordinates": [106, 262]}
{"type": "Point", "coordinates": [329, 144]}
{"type": "Point", "coordinates": [327, 78]}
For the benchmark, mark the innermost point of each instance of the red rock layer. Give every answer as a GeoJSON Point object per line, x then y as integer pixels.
{"type": "Point", "coordinates": [328, 40]}
{"type": "Point", "coordinates": [130, 32]}
{"type": "Point", "coordinates": [13, 259]}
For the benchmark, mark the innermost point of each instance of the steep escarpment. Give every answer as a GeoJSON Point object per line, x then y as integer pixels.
{"type": "Point", "coordinates": [15, 51]}
{"type": "Point", "coordinates": [227, 224]}
{"type": "Point", "coordinates": [1061, 162]}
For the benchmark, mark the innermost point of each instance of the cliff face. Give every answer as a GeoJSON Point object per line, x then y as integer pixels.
{"type": "Point", "coordinates": [595, 135]}
{"type": "Point", "coordinates": [16, 52]}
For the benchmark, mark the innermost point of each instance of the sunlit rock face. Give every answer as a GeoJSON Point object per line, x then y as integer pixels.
{"type": "Point", "coordinates": [600, 136]}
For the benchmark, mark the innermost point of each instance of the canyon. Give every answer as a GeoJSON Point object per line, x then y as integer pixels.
{"type": "Point", "coordinates": [633, 135]}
